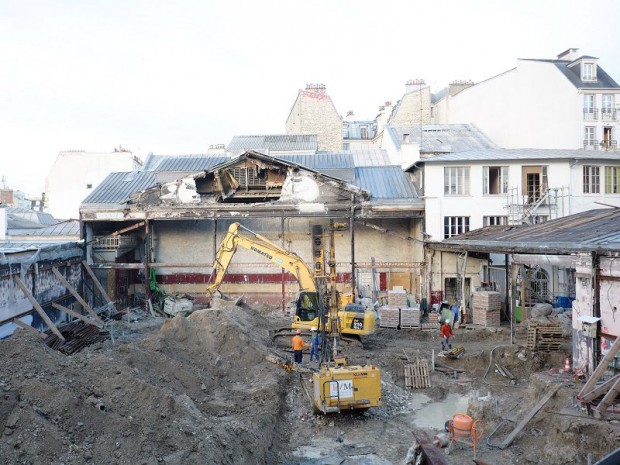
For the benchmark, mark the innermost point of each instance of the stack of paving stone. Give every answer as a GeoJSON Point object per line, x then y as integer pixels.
{"type": "Point", "coordinates": [432, 322]}
{"type": "Point", "coordinates": [487, 306]}
{"type": "Point", "coordinates": [397, 297]}
{"type": "Point", "coordinates": [410, 316]}
{"type": "Point", "coordinates": [390, 317]}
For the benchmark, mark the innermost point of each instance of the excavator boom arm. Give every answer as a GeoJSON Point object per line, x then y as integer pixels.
{"type": "Point", "coordinates": [262, 246]}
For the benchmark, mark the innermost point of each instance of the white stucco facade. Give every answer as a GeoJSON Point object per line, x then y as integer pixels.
{"type": "Point", "coordinates": [540, 104]}
{"type": "Point", "coordinates": [75, 174]}
{"type": "Point", "coordinates": [565, 175]}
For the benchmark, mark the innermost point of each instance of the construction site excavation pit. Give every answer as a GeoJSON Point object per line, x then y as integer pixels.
{"type": "Point", "coordinates": [204, 388]}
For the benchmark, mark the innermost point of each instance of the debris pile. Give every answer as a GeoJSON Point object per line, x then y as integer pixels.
{"type": "Point", "coordinates": [198, 391]}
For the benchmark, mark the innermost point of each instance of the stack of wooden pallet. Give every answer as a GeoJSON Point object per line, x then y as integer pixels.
{"type": "Point", "coordinates": [390, 317]}
{"type": "Point", "coordinates": [487, 306]}
{"type": "Point", "coordinates": [544, 336]}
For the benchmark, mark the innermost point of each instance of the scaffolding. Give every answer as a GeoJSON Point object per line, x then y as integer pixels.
{"type": "Point", "coordinates": [537, 206]}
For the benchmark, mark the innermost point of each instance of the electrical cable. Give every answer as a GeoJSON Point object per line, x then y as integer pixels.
{"type": "Point", "coordinates": [484, 378]}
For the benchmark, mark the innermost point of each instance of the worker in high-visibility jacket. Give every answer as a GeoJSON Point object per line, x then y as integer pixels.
{"type": "Point", "coordinates": [298, 346]}
{"type": "Point", "coordinates": [446, 333]}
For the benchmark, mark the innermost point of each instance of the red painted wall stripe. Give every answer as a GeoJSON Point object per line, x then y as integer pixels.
{"type": "Point", "coordinates": [256, 278]}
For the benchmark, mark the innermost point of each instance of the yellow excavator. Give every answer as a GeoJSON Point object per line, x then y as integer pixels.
{"type": "Point", "coordinates": [336, 386]}
{"type": "Point", "coordinates": [353, 319]}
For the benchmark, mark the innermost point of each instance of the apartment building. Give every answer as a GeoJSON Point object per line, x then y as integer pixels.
{"type": "Point", "coordinates": [569, 102]}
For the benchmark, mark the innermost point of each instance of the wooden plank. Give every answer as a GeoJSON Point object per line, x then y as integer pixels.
{"type": "Point", "coordinates": [599, 390]}
{"type": "Point", "coordinates": [27, 327]}
{"type": "Point", "coordinates": [601, 408]}
{"type": "Point", "coordinates": [96, 281]}
{"type": "Point", "coordinates": [511, 437]}
{"type": "Point", "coordinates": [77, 315]}
{"type": "Point", "coordinates": [431, 454]}
{"type": "Point", "coordinates": [75, 294]}
{"type": "Point", "coordinates": [38, 307]}
{"type": "Point", "coordinates": [600, 369]}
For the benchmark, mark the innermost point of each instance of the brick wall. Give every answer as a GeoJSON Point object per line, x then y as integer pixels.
{"type": "Point", "coordinates": [315, 113]}
{"type": "Point", "coordinates": [408, 111]}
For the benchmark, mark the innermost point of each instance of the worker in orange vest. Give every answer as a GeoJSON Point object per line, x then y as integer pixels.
{"type": "Point", "coordinates": [446, 333]}
{"type": "Point", "coordinates": [298, 346]}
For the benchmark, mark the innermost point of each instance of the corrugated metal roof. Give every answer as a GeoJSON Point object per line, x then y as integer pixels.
{"type": "Point", "coordinates": [441, 138]}
{"type": "Point", "coordinates": [339, 160]}
{"type": "Point", "coordinates": [274, 143]}
{"type": "Point", "coordinates": [321, 160]}
{"type": "Point", "coordinates": [599, 228]}
{"type": "Point", "coordinates": [523, 154]}
{"type": "Point", "coordinates": [183, 163]}
{"type": "Point", "coordinates": [29, 216]}
{"type": "Point", "coordinates": [118, 187]}
{"type": "Point", "coordinates": [385, 182]}
{"type": "Point", "coordinates": [371, 157]}
{"type": "Point", "coordinates": [65, 228]}
{"type": "Point", "coordinates": [20, 223]}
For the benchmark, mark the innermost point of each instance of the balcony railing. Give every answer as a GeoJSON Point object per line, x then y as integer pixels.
{"type": "Point", "coordinates": [590, 114]}
{"type": "Point", "coordinates": [115, 242]}
{"type": "Point", "coordinates": [609, 145]}
{"type": "Point", "coordinates": [589, 144]}
{"type": "Point", "coordinates": [609, 114]}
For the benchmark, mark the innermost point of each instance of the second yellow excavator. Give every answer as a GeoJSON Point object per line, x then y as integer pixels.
{"type": "Point", "coordinates": [352, 318]}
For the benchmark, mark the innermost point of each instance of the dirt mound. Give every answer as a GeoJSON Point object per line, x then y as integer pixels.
{"type": "Point", "coordinates": [198, 391]}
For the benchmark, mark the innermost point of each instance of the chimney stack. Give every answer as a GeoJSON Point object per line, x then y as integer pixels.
{"type": "Point", "coordinates": [316, 88]}
{"type": "Point", "coordinates": [456, 86]}
{"type": "Point", "coordinates": [570, 55]}
{"type": "Point", "coordinates": [413, 85]}
{"type": "Point", "coordinates": [217, 148]}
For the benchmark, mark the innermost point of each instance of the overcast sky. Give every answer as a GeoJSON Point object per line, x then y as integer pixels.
{"type": "Point", "coordinates": [173, 77]}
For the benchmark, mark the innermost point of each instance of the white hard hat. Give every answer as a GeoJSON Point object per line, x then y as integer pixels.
{"type": "Point", "coordinates": [313, 328]}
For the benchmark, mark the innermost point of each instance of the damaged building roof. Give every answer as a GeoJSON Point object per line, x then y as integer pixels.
{"type": "Point", "coordinates": [590, 231]}
{"type": "Point", "coordinates": [29, 252]}
{"type": "Point", "coordinates": [274, 143]}
{"type": "Point", "coordinates": [390, 182]}
{"type": "Point", "coordinates": [372, 185]}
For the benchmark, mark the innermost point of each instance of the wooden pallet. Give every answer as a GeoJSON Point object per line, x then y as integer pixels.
{"type": "Point", "coordinates": [545, 337]}
{"type": "Point", "coordinates": [417, 375]}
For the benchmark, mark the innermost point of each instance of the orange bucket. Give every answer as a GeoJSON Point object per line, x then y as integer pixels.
{"type": "Point", "coordinates": [462, 425]}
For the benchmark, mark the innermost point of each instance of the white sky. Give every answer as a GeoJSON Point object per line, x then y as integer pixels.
{"type": "Point", "coordinates": [173, 77]}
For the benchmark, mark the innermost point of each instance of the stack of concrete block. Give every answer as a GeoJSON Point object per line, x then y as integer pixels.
{"type": "Point", "coordinates": [410, 317]}
{"type": "Point", "coordinates": [397, 297]}
{"type": "Point", "coordinates": [390, 317]}
{"type": "Point", "coordinates": [487, 306]}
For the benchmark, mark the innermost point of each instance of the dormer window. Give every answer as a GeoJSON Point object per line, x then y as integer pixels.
{"type": "Point", "coordinates": [588, 71]}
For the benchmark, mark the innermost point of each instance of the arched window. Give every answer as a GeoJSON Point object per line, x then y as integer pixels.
{"type": "Point", "coordinates": [540, 285]}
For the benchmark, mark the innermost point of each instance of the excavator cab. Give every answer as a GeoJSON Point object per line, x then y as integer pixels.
{"type": "Point", "coordinates": [307, 311]}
